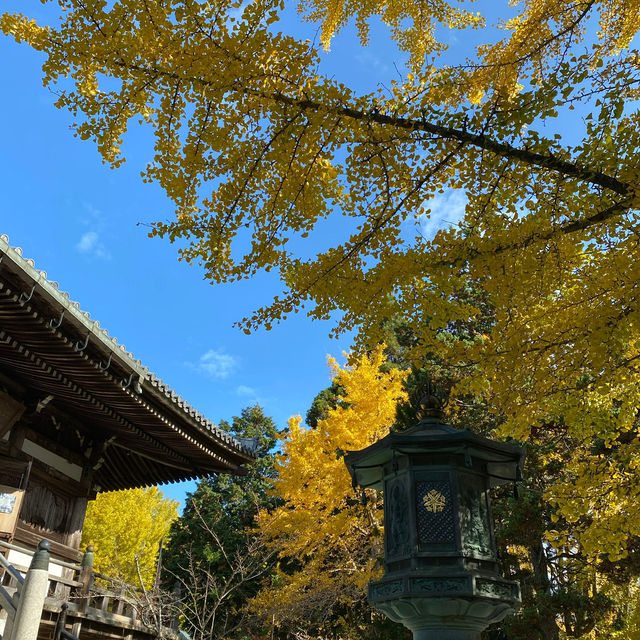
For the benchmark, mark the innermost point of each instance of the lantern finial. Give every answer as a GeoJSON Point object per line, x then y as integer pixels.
{"type": "Point", "coordinates": [430, 407]}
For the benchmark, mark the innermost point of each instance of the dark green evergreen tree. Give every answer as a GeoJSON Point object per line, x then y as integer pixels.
{"type": "Point", "coordinates": [325, 400]}
{"type": "Point", "coordinates": [214, 555]}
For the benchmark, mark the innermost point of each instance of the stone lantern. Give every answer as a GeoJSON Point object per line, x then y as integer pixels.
{"type": "Point", "coordinates": [441, 573]}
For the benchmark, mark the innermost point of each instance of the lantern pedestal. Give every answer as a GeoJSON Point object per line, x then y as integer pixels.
{"type": "Point", "coordinates": [445, 618]}
{"type": "Point", "coordinates": [445, 635]}
{"type": "Point", "coordinates": [445, 608]}
{"type": "Point", "coordinates": [441, 571]}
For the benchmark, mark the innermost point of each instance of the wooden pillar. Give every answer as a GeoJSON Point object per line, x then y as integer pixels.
{"type": "Point", "coordinates": [86, 578]}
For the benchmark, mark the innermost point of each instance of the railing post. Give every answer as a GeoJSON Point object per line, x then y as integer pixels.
{"type": "Point", "coordinates": [86, 576]}
{"type": "Point", "coordinates": [9, 602]}
{"type": "Point", "coordinates": [62, 620]}
{"type": "Point", "coordinates": [32, 595]}
{"type": "Point", "coordinates": [10, 611]}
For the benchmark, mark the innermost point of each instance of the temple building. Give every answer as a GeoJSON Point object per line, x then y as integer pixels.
{"type": "Point", "coordinates": [80, 415]}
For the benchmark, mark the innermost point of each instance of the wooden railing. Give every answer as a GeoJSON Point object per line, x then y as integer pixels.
{"type": "Point", "coordinates": [60, 586]}
{"type": "Point", "coordinates": [92, 596]}
{"type": "Point", "coordinates": [8, 600]}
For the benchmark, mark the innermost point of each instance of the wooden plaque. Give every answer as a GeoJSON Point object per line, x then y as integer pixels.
{"type": "Point", "coordinates": [10, 503]}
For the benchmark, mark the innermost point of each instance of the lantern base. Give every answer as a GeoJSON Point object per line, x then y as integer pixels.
{"type": "Point", "coordinates": [446, 634]}
{"type": "Point", "coordinates": [442, 618]}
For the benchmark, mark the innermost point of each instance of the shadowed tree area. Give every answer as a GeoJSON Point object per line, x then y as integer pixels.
{"type": "Point", "coordinates": [215, 560]}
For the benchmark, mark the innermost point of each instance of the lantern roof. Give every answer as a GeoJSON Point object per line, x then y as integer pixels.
{"type": "Point", "coordinates": [431, 436]}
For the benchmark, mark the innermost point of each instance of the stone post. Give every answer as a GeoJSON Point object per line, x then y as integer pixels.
{"type": "Point", "coordinates": [86, 574]}
{"type": "Point", "coordinates": [32, 595]}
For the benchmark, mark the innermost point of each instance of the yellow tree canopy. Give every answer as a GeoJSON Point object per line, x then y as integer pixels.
{"type": "Point", "coordinates": [321, 529]}
{"type": "Point", "coordinates": [538, 133]}
{"type": "Point", "coordinates": [125, 528]}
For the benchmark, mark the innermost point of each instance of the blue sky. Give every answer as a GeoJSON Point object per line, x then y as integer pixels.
{"type": "Point", "coordinates": [78, 219]}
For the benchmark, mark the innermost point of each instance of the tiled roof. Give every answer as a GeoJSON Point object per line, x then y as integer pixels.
{"type": "Point", "coordinates": [111, 359]}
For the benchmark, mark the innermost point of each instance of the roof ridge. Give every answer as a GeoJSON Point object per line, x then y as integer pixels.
{"type": "Point", "coordinates": [52, 288]}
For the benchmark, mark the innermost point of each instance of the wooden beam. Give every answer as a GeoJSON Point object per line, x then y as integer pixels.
{"type": "Point", "coordinates": [30, 537]}
{"type": "Point", "coordinates": [10, 412]}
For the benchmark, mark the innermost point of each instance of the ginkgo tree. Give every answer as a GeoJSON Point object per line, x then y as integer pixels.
{"type": "Point", "coordinates": [328, 541]}
{"type": "Point", "coordinates": [126, 529]}
{"type": "Point", "coordinates": [539, 131]}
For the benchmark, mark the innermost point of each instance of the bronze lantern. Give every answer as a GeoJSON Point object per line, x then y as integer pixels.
{"type": "Point", "coordinates": [441, 572]}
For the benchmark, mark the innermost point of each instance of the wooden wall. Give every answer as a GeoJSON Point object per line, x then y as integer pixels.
{"type": "Point", "coordinates": [54, 503]}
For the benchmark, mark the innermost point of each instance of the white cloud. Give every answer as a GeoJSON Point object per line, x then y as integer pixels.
{"type": "Point", "coordinates": [366, 58]}
{"type": "Point", "coordinates": [87, 242]}
{"type": "Point", "coordinates": [90, 244]}
{"type": "Point", "coordinates": [92, 215]}
{"type": "Point", "coordinates": [446, 210]}
{"type": "Point", "coordinates": [246, 392]}
{"type": "Point", "coordinates": [217, 364]}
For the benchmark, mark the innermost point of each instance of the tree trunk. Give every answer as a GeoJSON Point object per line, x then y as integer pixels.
{"type": "Point", "coordinates": [547, 621]}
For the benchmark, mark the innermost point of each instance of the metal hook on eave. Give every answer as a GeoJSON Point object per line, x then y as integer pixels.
{"type": "Point", "coordinates": [125, 384]}
{"type": "Point", "coordinates": [79, 348]}
{"type": "Point", "coordinates": [106, 366]}
{"type": "Point", "coordinates": [55, 325]}
{"type": "Point", "coordinates": [515, 482]}
{"type": "Point", "coordinates": [22, 300]}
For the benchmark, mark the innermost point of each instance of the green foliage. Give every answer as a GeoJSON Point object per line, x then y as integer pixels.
{"type": "Point", "coordinates": [228, 503]}
{"type": "Point", "coordinates": [213, 552]}
{"type": "Point", "coordinates": [324, 401]}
